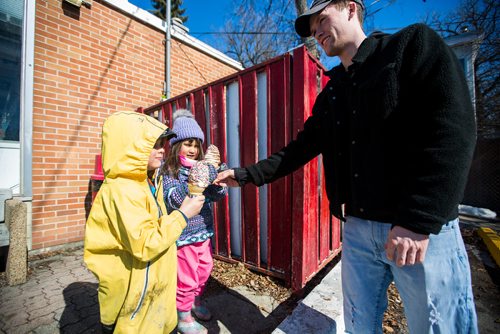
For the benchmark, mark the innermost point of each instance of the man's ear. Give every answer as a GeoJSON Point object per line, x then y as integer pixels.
{"type": "Point", "coordinates": [352, 8]}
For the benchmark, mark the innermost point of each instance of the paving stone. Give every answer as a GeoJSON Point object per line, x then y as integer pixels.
{"type": "Point", "coordinates": [35, 303]}
{"type": "Point", "coordinates": [56, 266]}
{"type": "Point", "coordinates": [43, 276]}
{"type": "Point", "coordinates": [54, 306]}
{"type": "Point", "coordinates": [92, 310]}
{"type": "Point", "coordinates": [46, 329]}
{"type": "Point", "coordinates": [70, 292]}
{"type": "Point", "coordinates": [12, 311]}
{"type": "Point", "coordinates": [83, 300]}
{"type": "Point", "coordinates": [57, 302]}
{"type": "Point", "coordinates": [89, 325]}
{"type": "Point", "coordinates": [83, 272]}
{"type": "Point", "coordinates": [67, 316]}
{"type": "Point", "coordinates": [22, 329]}
{"type": "Point", "coordinates": [40, 313]}
{"type": "Point", "coordinates": [15, 319]}
{"type": "Point", "coordinates": [72, 264]}
{"type": "Point", "coordinates": [58, 313]}
{"type": "Point", "coordinates": [67, 280]}
{"type": "Point", "coordinates": [32, 293]}
{"type": "Point", "coordinates": [42, 321]}
{"type": "Point", "coordinates": [9, 292]}
{"type": "Point", "coordinates": [60, 273]}
{"type": "Point", "coordinates": [52, 288]}
{"type": "Point", "coordinates": [31, 284]}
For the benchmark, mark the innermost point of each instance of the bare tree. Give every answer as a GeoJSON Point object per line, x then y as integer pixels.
{"type": "Point", "coordinates": [480, 16]}
{"type": "Point", "coordinates": [259, 30]}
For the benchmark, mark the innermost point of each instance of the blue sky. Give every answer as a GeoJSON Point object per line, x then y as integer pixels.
{"type": "Point", "coordinates": [209, 16]}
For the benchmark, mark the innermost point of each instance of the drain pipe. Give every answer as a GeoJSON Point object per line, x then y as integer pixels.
{"type": "Point", "coordinates": [168, 21]}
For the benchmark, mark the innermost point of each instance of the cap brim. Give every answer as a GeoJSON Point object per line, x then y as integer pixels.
{"type": "Point", "coordinates": [168, 134]}
{"type": "Point", "coordinates": [302, 26]}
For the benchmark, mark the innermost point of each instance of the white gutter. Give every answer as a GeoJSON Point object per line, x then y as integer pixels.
{"type": "Point", "coordinates": [177, 33]}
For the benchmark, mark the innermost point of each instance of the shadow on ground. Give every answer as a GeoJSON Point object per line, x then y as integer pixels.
{"type": "Point", "coordinates": [81, 314]}
{"type": "Point", "coordinates": [232, 312]}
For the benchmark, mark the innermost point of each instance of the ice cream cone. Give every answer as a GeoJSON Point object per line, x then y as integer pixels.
{"type": "Point", "coordinates": [195, 190]}
{"type": "Point", "coordinates": [212, 156]}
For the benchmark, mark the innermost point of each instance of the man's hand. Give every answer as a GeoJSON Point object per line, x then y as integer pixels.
{"type": "Point", "coordinates": [405, 247]}
{"type": "Point", "coordinates": [191, 206]}
{"type": "Point", "coordinates": [226, 178]}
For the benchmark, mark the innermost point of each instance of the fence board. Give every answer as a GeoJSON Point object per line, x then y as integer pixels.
{"type": "Point", "coordinates": [181, 102]}
{"type": "Point", "coordinates": [217, 114]}
{"type": "Point", "coordinates": [198, 108]}
{"type": "Point", "coordinates": [325, 223]}
{"type": "Point", "coordinates": [249, 152]}
{"type": "Point", "coordinates": [279, 192]}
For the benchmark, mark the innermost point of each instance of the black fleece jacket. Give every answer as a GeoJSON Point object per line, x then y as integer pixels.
{"type": "Point", "coordinates": [396, 131]}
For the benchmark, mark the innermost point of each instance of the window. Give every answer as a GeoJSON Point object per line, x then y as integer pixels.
{"type": "Point", "coordinates": [11, 27]}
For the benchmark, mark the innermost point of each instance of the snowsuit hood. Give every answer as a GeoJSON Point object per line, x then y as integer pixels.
{"type": "Point", "coordinates": [129, 238]}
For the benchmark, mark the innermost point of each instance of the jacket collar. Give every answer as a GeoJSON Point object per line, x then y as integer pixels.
{"type": "Point", "coordinates": [366, 49]}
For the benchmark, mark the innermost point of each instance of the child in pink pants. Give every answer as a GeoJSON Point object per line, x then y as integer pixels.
{"type": "Point", "coordinates": [194, 253]}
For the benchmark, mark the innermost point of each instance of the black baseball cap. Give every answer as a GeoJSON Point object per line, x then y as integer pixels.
{"type": "Point", "coordinates": [168, 133]}
{"type": "Point", "coordinates": [302, 26]}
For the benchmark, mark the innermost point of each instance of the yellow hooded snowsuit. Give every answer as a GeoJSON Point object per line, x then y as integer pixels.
{"type": "Point", "coordinates": [129, 244]}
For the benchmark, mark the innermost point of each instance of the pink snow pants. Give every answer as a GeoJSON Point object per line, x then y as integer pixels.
{"type": "Point", "coordinates": [194, 265]}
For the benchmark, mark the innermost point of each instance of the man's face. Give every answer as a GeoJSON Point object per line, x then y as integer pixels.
{"type": "Point", "coordinates": [329, 28]}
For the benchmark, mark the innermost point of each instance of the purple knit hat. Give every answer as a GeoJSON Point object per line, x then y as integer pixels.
{"type": "Point", "coordinates": [185, 126]}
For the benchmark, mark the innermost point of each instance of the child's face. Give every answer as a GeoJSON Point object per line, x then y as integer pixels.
{"type": "Point", "coordinates": [190, 149]}
{"type": "Point", "coordinates": [156, 156]}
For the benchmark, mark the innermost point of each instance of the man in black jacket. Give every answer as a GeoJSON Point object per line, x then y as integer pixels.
{"type": "Point", "coordinates": [396, 129]}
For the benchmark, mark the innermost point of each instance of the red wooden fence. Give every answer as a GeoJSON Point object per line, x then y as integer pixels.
{"type": "Point", "coordinates": [288, 233]}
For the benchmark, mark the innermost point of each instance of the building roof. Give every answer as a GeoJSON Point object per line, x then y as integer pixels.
{"type": "Point", "coordinates": [177, 31]}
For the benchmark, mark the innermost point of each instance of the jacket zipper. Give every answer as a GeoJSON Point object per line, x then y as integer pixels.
{"type": "Point", "coordinates": [143, 294]}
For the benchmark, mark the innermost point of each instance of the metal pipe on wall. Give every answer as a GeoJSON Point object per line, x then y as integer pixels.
{"type": "Point", "coordinates": [168, 38]}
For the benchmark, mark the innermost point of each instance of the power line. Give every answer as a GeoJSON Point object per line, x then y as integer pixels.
{"type": "Point", "coordinates": [242, 33]}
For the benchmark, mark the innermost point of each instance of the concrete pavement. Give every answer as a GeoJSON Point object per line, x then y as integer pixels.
{"type": "Point", "coordinates": [60, 296]}
{"type": "Point", "coordinates": [320, 312]}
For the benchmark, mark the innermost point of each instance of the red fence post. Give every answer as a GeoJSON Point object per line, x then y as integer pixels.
{"type": "Point", "coordinates": [218, 135]}
{"type": "Point", "coordinates": [249, 155]}
{"type": "Point", "coordinates": [198, 107]}
{"type": "Point", "coordinates": [279, 191]}
{"type": "Point", "coordinates": [305, 182]}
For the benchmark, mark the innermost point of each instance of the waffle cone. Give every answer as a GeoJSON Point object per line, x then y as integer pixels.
{"type": "Point", "coordinates": [195, 190]}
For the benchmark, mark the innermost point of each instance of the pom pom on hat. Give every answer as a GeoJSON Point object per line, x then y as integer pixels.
{"type": "Point", "coordinates": [185, 126]}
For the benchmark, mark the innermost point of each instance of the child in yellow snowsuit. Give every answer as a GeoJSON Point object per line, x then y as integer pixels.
{"type": "Point", "coordinates": [129, 238]}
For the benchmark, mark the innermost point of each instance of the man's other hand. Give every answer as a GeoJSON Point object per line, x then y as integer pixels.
{"type": "Point", "coordinates": [405, 247]}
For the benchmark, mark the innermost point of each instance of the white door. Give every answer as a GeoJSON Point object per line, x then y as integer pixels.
{"type": "Point", "coordinates": [16, 94]}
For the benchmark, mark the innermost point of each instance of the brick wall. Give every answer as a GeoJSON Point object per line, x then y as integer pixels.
{"type": "Point", "coordinates": [88, 64]}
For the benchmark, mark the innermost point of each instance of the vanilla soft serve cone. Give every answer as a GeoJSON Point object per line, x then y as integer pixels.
{"type": "Point", "coordinates": [199, 178]}
{"type": "Point", "coordinates": [212, 156]}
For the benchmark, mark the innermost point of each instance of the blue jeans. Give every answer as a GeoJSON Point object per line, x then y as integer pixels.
{"type": "Point", "coordinates": [437, 294]}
